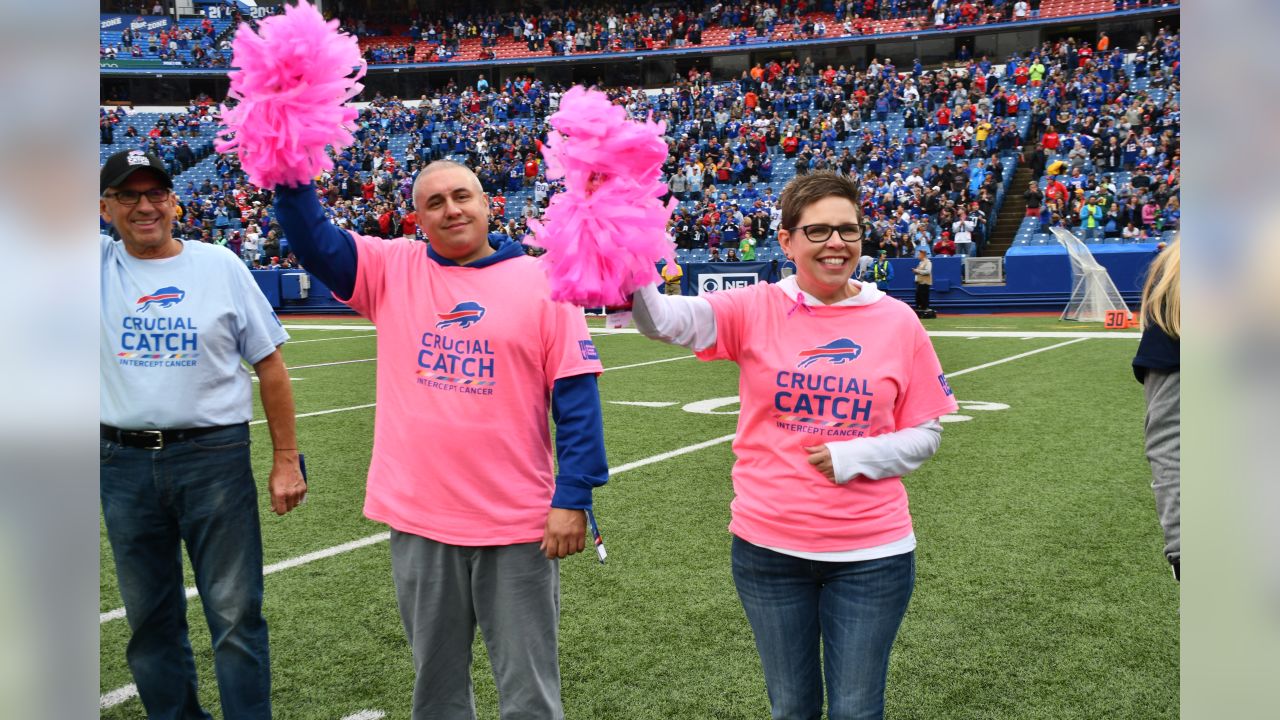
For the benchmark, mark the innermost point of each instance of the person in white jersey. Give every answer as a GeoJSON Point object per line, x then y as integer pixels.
{"type": "Point", "coordinates": [472, 356]}
{"type": "Point", "coordinates": [841, 392]}
{"type": "Point", "coordinates": [178, 318]}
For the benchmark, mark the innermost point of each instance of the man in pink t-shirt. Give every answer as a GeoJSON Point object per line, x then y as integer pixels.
{"type": "Point", "coordinates": [472, 356]}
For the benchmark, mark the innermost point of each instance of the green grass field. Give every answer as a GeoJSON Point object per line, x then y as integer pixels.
{"type": "Point", "coordinates": [1041, 590]}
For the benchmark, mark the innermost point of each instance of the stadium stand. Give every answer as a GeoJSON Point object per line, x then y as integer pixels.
{"type": "Point", "coordinates": [937, 150]}
{"type": "Point", "coordinates": [633, 28]}
{"type": "Point", "coordinates": [194, 42]}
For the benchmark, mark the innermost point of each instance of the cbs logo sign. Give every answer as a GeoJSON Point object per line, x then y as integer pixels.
{"type": "Point", "coordinates": [715, 282]}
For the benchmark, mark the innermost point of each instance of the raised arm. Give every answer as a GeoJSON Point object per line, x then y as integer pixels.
{"type": "Point", "coordinates": [326, 251]}
{"type": "Point", "coordinates": [675, 319]}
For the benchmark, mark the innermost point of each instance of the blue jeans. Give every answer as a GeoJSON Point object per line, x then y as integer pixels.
{"type": "Point", "coordinates": [199, 492]}
{"type": "Point", "coordinates": [852, 609]}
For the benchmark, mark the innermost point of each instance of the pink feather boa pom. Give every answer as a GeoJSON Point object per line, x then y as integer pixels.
{"type": "Point", "coordinates": [606, 231]}
{"type": "Point", "coordinates": [294, 79]}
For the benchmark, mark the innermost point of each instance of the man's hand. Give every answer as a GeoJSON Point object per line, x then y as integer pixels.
{"type": "Point", "coordinates": [286, 485]}
{"type": "Point", "coordinates": [820, 458]}
{"type": "Point", "coordinates": [566, 533]}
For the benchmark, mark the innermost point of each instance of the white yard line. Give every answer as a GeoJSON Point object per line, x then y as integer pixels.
{"type": "Point", "coordinates": [343, 337]}
{"type": "Point", "coordinates": [670, 454]}
{"type": "Point", "coordinates": [651, 362]}
{"type": "Point", "coordinates": [329, 364]}
{"type": "Point", "coordinates": [282, 565]}
{"type": "Point", "coordinates": [119, 695]}
{"type": "Point", "coordinates": [1013, 357]}
{"type": "Point", "coordinates": [642, 404]}
{"type": "Point", "coordinates": [369, 328]}
{"type": "Point", "coordinates": [366, 715]}
{"type": "Point", "coordinates": [322, 412]}
{"type": "Point", "coordinates": [1100, 335]}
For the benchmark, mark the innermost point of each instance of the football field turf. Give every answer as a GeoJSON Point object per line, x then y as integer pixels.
{"type": "Point", "coordinates": [1041, 589]}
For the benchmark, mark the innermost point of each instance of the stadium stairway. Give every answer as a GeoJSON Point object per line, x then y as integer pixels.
{"type": "Point", "coordinates": [1011, 214]}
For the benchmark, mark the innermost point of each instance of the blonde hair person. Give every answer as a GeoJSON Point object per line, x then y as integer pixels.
{"type": "Point", "coordinates": [1157, 366]}
{"type": "Point", "coordinates": [1161, 303]}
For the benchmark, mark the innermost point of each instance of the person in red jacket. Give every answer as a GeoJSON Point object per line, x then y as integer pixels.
{"type": "Point", "coordinates": [1055, 191]}
{"type": "Point", "coordinates": [388, 221]}
{"type": "Point", "coordinates": [530, 170]}
{"type": "Point", "coordinates": [945, 245]}
{"type": "Point", "coordinates": [1050, 140]}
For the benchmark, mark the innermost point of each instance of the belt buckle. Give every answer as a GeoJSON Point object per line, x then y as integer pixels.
{"type": "Point", "coordinates": [155, 438]}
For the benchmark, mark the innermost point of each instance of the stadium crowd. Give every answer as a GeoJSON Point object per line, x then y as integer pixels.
{"type": "Point", "coordinates": [930, 181]}
{"type": "Point", "coordinates": [635, 26]}
{"type": "Point", "coordinates": [622, 27]}
{"type": "Point", "coordinates": [1088, 143]}
{"type": "Point", "coordinates": [202, 41]}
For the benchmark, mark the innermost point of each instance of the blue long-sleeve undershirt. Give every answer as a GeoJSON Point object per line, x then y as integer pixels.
{"type": "Point", "coordinates": [329, 253]}
{"type": "Point", "coordinates": [325, 250]}
{"type": "Point", "coordinates": [575, 408]}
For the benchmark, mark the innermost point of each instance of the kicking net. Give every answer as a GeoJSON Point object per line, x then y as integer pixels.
{"type": "Point", "coordinates": [1093, 292]}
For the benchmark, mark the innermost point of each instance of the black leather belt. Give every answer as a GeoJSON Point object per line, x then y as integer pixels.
{"type": "Point", "coordinates": [155, 439]}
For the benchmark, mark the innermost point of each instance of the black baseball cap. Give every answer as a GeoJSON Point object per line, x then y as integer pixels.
{"type": "Point", "coordinates": [120, 166]}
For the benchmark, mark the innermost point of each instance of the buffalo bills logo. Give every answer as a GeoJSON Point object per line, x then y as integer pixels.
{"type": "Point", "coordinates": [464, 315]}
{"type": "Point", "coordinates": [836, 352]}
{"type": "Point", "coordinates": [164, 297]}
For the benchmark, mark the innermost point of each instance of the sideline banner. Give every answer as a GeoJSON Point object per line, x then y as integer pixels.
{"type": "Point", "coordinates": [704, 278]}
{"type": "Point", "coordinates": [130, 62]}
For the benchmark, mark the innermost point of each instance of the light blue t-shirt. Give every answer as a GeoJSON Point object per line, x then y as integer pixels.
{"type": "Point", "coordinates": [173, 334]}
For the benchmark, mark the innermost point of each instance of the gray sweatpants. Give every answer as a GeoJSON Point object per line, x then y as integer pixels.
{"type": "Point", "coordinates": [512, 592]}
{"type": "Point", "coordinates": [1164, 451]}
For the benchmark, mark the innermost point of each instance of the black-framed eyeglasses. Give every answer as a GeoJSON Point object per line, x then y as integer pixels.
{"type": "Point", "coordinates": [132, 197]}
{"type": "Point", "coordinates": [820, 233]}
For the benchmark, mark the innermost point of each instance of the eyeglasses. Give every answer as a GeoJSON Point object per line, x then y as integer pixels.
{"type": "Point", "coordinates": [131, 197]}
{"type": "Point", "coordinates": [820, 233]}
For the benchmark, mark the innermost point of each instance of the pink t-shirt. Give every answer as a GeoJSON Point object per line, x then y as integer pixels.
{"type": "Point", "coordinates": [812, 374]}
{"type": "Point", "coordinates": [466, 361]}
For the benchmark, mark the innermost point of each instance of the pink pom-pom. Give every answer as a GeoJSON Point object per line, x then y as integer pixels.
{"type": "Point", "coordinates": [294, 79]}
{"type": "Point", "coordinates": [608, 228]}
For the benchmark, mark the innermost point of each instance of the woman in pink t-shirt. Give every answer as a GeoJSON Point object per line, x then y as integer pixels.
{"type": "Point", "coordinates": [841, 392]}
